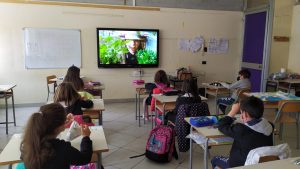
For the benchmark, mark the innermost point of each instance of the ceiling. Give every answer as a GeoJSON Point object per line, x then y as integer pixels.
{"type": "Point", "coordinates": [226, 5]}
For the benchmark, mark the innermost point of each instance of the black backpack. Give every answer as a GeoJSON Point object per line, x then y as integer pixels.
{"type": "Point", "coordinates": [149, 88]}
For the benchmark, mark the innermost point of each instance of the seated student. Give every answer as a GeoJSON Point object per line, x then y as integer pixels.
{"type": "Point", "coordinates": [162, 84]}
{"type": "Point", "coordinates": [66, 95]}
{"type": "Point", "coordinates": [40, 147]}
{"type": "Point", "coordinates": [189, 95]}
{"type": "Point", "coordinates": [253, 132]}
{"type": "Point", "coordinates": [242, 82]}
{"type": "Point", "coordinates": [84, 94]}
{"type": "Point", "coordinates": [73, 76]}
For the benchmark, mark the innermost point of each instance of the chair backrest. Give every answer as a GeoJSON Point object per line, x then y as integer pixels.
{"type": "Point", "coordinates": [268, 158]}
{"type": "Point", "coordinates": [184, 75]}
{"type": "Point", "coordinates": [286, 110]}
{"type": "Point", "coordinates": [49, 78]}
{"type": "Point", "coordinates": [268, 153]}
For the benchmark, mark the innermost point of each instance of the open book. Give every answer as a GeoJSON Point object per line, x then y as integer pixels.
{"type": "Point", "coordinates": [73, 132]}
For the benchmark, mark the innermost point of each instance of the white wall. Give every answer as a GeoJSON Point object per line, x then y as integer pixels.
{"type": "Point", "coordinates": [281, 27]}
{"type": "Point", "coordinates": [173, 24]}
{"type": "Point", "coordinates": [294, 57]}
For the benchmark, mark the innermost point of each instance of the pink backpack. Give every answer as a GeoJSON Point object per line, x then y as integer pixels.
{"type": "Point", "coordinates": [87, 166]}
{"type": "Point", "coordinates": [161, 144]}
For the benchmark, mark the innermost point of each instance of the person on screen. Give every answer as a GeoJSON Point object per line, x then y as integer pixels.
{"type": "Point", "coordinates": [133, 46]}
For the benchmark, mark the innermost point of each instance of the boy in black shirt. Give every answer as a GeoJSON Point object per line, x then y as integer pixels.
{"type": "Point", "coordinates": [253, 132]}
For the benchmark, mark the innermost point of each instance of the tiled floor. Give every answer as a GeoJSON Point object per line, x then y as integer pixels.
{"type": "Point", "coordinates": [126, 139]}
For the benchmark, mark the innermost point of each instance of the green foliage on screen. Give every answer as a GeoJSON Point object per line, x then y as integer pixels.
{"type": "Point", "coordinates": [146, 56]}
{"type": "Point", "coordinates": [111, 50]}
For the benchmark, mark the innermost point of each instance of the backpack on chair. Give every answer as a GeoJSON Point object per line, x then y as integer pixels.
{"type": "Point", "coordinates": [161, 144]}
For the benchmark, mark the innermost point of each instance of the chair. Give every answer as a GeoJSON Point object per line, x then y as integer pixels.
{"type": "Point", "coordinates": [184, 75]}
{"type": "Point", "coordinates": [268, 158]}
{"type": "Point", "coordinates": [49, 82]}
{"type": "Point", "coordinates": [268, 153]}
{"type": "Point", "coordinates": [288, 113]}
{"type": "Point", "coordinates": [147, 101]}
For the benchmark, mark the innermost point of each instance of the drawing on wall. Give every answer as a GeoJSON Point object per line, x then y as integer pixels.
{"type": "Point", "coordinates": [194, 45]}
{"type": "Point", "coordinates": [218, 46]}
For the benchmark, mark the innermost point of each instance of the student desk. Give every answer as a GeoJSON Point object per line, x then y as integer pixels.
{"type": "Point", "coordinates": [174, 79]}
{"type": "Point", "coordinates": [139, 90]}
{"type": "Point", "coordinates": [96, 111]}
{"type": "Point", "coordinates": [60, 79]}
{"type": "Point", "coordinates": [11, 153]}
{"type": "Point", "coordinates": [215, 91]}
{"type": "Point", "coordinates": [286, 84]}
{"type": "Point", "coordinates": [207, 132]}
{"type": "Point", "coordinates": [94, 90]}
{"type": "Point", "coordinates": [278, 164]}
{"type": "Point", "coordinates": [166, 103]}
{"type": "Point", "coordinates": [272, 104]}
{"type": "Point", "coordinates": [6, 91]}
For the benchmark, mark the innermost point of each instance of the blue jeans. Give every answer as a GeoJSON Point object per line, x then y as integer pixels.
{"type": "Point", "coordinates": [220, 161]}
{"type": "Point", "coordinates": [224, 102]}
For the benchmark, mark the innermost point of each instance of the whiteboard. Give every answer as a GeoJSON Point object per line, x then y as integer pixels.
{"type": "Point", "coordinates": [52, 48]}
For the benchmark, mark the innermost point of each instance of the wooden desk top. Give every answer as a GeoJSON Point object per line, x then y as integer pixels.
{"type": "Point", "coordinates": [11, 153]}
{"type": "Point", "coordinates": [278, 164]}
{"type": "Point", "coordinates": [98, 105]}
{"type": "Point", "coordinates": [207, 85]}
{"type": "Point", "coordinates": [136, 86]}
{"type": "Point", "coordinates": [208, 132]}
{"type": "Point", "coordinates": [170, 99]}
{"type": "Point", "coordinates": [4, 88]}
{"type": "Point", "coordinates": [292, 81]}
{"type": "Point", "coordinates": [61, 79]}
{"type": "Point", "coordinates": [280, 95]}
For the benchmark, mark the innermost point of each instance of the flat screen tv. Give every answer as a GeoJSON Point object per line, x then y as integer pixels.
{"type": "Point", "coordinates": [127, 48]}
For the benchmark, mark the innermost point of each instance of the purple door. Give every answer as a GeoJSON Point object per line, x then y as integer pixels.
{"type": "Point", "coordinates": [253, 47]}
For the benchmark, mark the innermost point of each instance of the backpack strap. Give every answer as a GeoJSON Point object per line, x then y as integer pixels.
{"type": "Point", "coordinates": [137, 156]}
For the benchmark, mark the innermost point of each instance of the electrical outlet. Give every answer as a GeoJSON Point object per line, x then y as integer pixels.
{"type": "Point", "coordinates": [203, 62]}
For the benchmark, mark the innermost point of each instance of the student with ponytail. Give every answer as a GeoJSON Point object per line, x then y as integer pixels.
{"type": "Point", "coordinates": [40, 147]}
{"type": "Point", "coordinates": [66, 95]}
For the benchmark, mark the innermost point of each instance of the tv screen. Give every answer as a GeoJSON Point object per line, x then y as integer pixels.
{"type": "Point", "coordinates": [127, 48]}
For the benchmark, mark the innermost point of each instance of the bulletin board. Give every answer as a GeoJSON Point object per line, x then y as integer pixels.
{"type": "Point", "coordinates": [52, 48]}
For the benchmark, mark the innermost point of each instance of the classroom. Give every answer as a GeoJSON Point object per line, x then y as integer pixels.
{"type": "Point", "coordinates": [207, 43]}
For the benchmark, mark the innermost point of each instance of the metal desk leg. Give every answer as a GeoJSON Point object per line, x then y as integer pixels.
{"type": "Point", "coordinates": [100, 118]}
{"type": "Point", "coordinates": [191, 150]}
{"type": "Point", "coordinates": [13, 104]}
{"type": "Point", "coordinates": [216, 99]}
{"type": "Point", "coordinates": [135, 105]}
{"type": "Point", "coordinates": [163, 115]}
{"type": "Point", "coordinates": [155, 111]}
{"type": "Point", "coordinates": [206, 154]}
{"type": "Point", "coordinates": [290, 86]}
{"type": "Point", "coordinates": [6, 113]}
{"type": "Point", "coordinates": [139, 106]}
{"type": "Point", "coordinates": [99, 160]}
